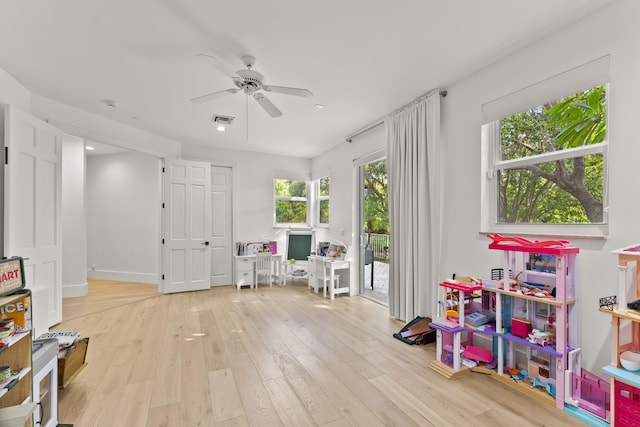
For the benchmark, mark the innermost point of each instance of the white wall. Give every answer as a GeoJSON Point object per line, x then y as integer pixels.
{"type": "Point", "coordinates": [253, 187]}
{"type": "Point", "coordinates": [123, 217]}
{"type": "Point", "coordinates": [74, 224]}
{"type": "Point", "coordinates": [612, 31]}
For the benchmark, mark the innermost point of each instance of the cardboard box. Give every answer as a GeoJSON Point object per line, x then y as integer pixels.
{"type": "Point", "coordinates": [71, 361]}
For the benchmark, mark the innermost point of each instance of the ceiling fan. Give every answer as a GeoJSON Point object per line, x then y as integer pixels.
{"type": "Point", "coordinates": [250, 82]}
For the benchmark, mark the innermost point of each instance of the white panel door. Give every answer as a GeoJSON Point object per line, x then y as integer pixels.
{"type": "Point", "coordinates": [187, 226]}
{"type": "Point", "coordinates": [221, 240]}
{"type": "Point", "coordinates": [33, 205]}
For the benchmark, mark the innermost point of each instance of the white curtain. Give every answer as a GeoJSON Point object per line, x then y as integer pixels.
{"type": "Point", "coordinates": [413, 162]}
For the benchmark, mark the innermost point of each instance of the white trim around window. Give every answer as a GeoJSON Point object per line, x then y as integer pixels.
{"type": "Point", "coordinates": [591, 74]}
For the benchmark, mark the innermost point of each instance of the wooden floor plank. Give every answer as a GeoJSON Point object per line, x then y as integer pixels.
{"type": "Point", "coordinates": [134, 406]}
{"type": "Point", "coordinates": [225, 400]}
{"type": "Point", "coordinates": [167, 416]}
{"type": "Point", "coordinates": [289, 407]}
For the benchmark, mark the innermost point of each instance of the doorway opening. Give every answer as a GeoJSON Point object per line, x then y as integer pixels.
{"type": "Point", "coordinates": [374, 231]}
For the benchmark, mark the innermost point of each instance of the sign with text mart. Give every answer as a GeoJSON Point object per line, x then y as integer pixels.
{"type": "Point", "coordinates": [11, 275]}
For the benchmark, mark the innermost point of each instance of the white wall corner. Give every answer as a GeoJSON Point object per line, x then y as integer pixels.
{"type": "Point", "coordinates": [75, 290]}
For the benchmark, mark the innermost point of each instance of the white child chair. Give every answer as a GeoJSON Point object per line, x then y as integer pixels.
{"type": "Point", "coordinates": [311, 266]}
{"type": "Point", "coordinates": [323, 277]}
{"type": "Point", "coordinates": [263, 267]}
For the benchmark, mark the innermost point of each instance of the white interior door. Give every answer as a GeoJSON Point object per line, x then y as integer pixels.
{"type": "Point", "coordinates": [187, 226]}
{"type": "Point", "coordinates": [221, 240]}
{"type": "Point", "coordinates": [33, 205]}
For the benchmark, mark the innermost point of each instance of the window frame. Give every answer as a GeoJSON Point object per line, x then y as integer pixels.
{"type": "Point", "coordinates": [277, 224]}
{"type": "Point", "coordinates": [319, 198]}
{"type": "Point", "coordinates": [492, 164]}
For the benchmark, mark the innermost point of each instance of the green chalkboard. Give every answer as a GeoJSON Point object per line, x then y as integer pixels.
{"type": "Point", "coordinates": [299, 246]}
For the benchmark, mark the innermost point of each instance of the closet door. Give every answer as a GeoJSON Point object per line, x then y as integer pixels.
{"type": "Point", "coordinates": [186, 249]}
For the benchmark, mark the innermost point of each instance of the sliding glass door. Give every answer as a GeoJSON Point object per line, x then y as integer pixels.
{"type": "Point", "coordinates": [374, 229]}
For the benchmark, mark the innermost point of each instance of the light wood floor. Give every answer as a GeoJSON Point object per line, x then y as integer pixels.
{"type": "Point", "coordinates": [267, 357]}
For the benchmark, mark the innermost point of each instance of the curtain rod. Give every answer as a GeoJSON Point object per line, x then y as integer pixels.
{"type": "Point", "coordinates": [379, 122]}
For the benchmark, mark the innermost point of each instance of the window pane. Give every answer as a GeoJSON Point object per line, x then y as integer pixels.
{"type": "Point", "coordinates": [324, 212]}
{"type": "Point", "coordinates": [324, 186]}
{"type": "Point", "coordinates": [287, 188]}
{"type": "Point", "coordinates": [288, 211]}
{"type": "Point", "coordinates": [376, 202]}
{"type": "Point", "coordinates": [569, 191]}
{"type": "Point", "coordinates": [563, 192]}
{"type": "Point", "coordinates": [569, 122]}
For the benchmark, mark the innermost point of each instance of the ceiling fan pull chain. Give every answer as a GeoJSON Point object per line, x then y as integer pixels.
{"type": "Point", "coordinates": [247, 115]}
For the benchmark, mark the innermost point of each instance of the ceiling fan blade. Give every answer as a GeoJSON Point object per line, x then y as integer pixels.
{"type": "Point", "coordinates": [214, 95]}
{"type": "Point", "coordinates": [218, 65]}
{"type": "Point", "coordinates": [268, 106]}
{"type": "Point", "coordinates": [288, 90]}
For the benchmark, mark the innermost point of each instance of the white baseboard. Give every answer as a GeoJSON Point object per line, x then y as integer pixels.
{"type": "Point", "coordinates": [124, 276]}
{"type": "Point", "coordinates": [75, 290]}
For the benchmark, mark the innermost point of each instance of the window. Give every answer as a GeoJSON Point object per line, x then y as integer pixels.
{"type": "Point", "coordinates": [290, 201]}
{"type": "Point", "coordinates": [546, 166]}
{"type": "Point", "coordinates": [323, 200]}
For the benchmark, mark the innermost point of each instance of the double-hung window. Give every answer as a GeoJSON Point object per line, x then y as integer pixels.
{"type": "Point", "coordinates": [544, 156]}
{"type": "Point", "coordinates": [290, 202]}
{"type": "Point", "coordinates": [322, 192]}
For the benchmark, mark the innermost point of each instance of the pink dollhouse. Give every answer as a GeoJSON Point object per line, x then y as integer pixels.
{"type": "Point", "coordinates": [625, 324]}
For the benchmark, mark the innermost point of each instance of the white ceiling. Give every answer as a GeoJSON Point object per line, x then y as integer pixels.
{"type": "Point", "coordinates": [361, 58]}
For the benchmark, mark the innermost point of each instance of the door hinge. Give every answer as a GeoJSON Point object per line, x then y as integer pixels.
{"type": "Point", "coordinates": [6, 155]}
{"type": "Point", "coordinates": [163, 277]}
{"type": "Point", "coordinates": [163, 241]}
{"type": "Point", "coordinates": [162, 205]}
{"type": "Point", "coordinates": [163, 169]}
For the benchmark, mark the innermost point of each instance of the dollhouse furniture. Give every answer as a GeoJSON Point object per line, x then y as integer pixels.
{"type": "Point", "coordinates": [451, 329]}
{"type": "Point", "coordinates": [625, 324]}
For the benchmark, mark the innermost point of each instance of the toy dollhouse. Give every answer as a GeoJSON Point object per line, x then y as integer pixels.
{"type": "Point", "coordinates": [522, 330]}
{"type": "Point", "coordinates": [624, 369]}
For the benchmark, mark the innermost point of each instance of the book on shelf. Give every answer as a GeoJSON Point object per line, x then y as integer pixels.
{"type": "Point", "coordinates": [252, 248]}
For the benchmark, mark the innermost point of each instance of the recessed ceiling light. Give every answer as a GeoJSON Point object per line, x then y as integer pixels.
{"type": "Point", "coordinates": [88, 147]}
{"type": "Point", "coordinates": [221, 128]}
{"type": "Point", "coordinates": [319, 106]}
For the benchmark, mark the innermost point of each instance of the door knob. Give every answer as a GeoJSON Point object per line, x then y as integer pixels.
{"type": "Point", "coordinates": [205, 243]}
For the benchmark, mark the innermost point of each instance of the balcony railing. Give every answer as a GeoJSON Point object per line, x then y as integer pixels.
{"type": "Point", "coordinates": [379, 244]}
